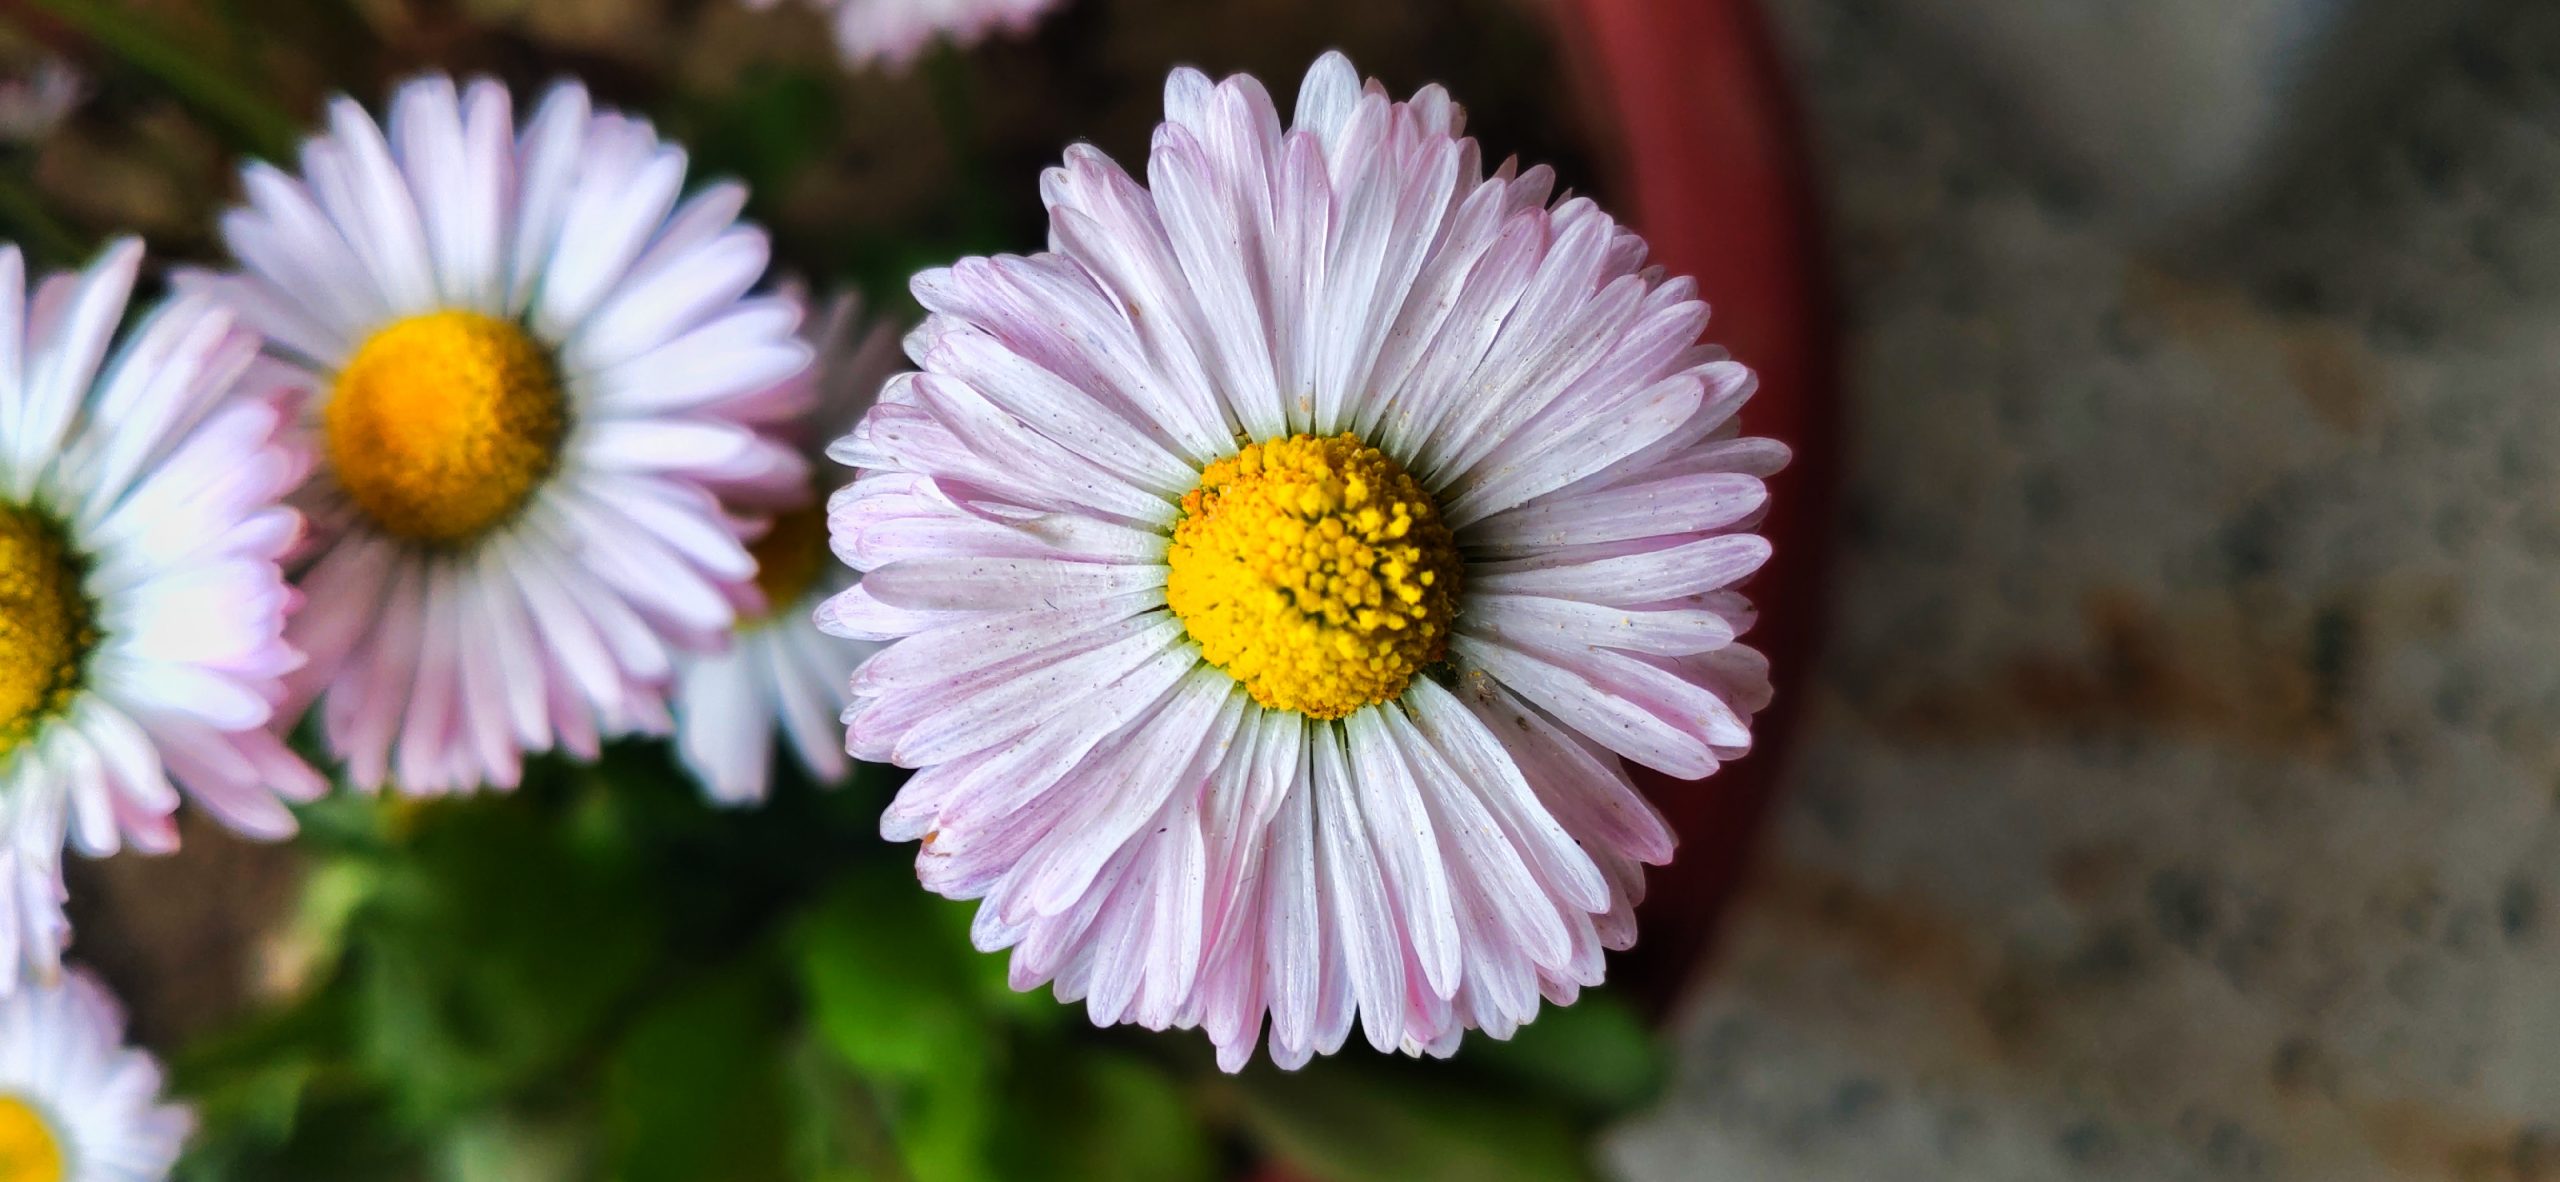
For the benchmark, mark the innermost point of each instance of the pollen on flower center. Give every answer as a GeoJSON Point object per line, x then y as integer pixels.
{"type": "Point", "coordinates": [47, 626]}
{"type": "Point", "coordinates": [28, 1150]}
{"type": "Point", "coordinates": [443, 424]}
{"type": "Point", "coordinates": [790, 555]}
{"type": "Point", "coordinates": [1315, 571]}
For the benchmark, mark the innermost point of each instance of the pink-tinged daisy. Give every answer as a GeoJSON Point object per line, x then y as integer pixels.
{"type": "Point", "coordinates": [76, 1104]}
{"type": "Point", "coordinates": [1280, 572]}
{"type": "Point", "coordinates": [142, 614]}
{"type": "Point", "coordinates": [782, 674]}
{"type": "Point", "coordinates": [526, 358]}
{"type": "Point", "coordinates": [895, 33]}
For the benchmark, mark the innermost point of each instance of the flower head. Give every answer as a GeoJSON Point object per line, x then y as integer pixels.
{"type": "Point", "coordinates": [142, 613]}
{"type": "Point", "coordinates": [527, 360]}
{"type": "Point", "coordinates": [1277, 575]}
{"type": "Point", "coordinates": [782, 674]}
{"type": "Point", "coordinates": [895, 33]}
{"type": "Point", "coordinates": [76, 1104]}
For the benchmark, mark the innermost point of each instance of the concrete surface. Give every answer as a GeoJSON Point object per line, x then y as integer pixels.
{"type": "Point", "coordinates": [2168, 109]}
{"type": "Point", "coordinates": [2178, 796]}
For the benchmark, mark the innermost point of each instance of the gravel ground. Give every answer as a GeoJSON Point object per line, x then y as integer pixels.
{"type": "Point", "coordinates": [2178, 795]}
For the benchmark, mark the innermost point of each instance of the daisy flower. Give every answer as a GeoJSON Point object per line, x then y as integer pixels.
{"type": "Point", "coordinates": [782, 673]}
{"type": "Point", "coordinates": [1280, 572]}
{"type": "Point", "coordinates": [525, 358]}
{"type": "Point", "coordinates": [142, 614]}
{"type": "Point", "coordinates": [76, 1104]}
{"type": "Point", "coordinates": [895, 33]}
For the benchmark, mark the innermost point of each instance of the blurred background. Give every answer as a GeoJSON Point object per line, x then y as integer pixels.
{"type": "Point", "coordinates": [2173, 790]}
{"type": "Point", "coordinates": [2175, 798]}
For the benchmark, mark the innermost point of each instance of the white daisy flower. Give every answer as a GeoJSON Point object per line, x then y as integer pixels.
{"type": "Point", "coordinates": [1278, 571]}
{"type": "Point", "coordinates": [782, 673]}
{"type": "Point", "coordinates": [142, 613]}
{"type": "Point", "coordinates": [895, 33]}
{"type": "Point", "coordinates": [527, 359]}
{"type": "Point", "coordinates": [76, 1104]}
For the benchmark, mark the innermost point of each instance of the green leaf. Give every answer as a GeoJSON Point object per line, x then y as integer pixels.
{"type": "Point", "coordinates": [895, 996]}
{"type": "Point", "coordinates": [764, 132]}
{"type": "Point", "coordinates": [1368, 1121]}
{"type": "Point", "coordinates": [336, 1136]}
{"type": "Point", "coordinates": [695, 1093]}
{"type": "Point", "coordinates": [498, 1149]}
{"type": "Point", "coordinates": [890, 990]}
{"type": "Point", "coordinates": [841, 1133]}
{"type": "Point", "coordinates": [494, 950]}
{"type": "Point", "coordinates": [1595, 1054]}
{"type": "Point", "coordinates": [1096, 1113]}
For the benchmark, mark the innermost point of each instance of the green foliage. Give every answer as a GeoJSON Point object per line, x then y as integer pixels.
{"type": "Point", "coordinates": [602, 977]}
{"type": "Point", "coordinates": [893, 995]}
{"type": "Point", "coordinates": [695, 1093]}
{"type": "Point", "coordinates": [976, 1081]}
{"type": "Point", "coordinates": [764, 132]}
{"type": "Point", "coordinates": [1102, 1114]}
{"type": "Point", "coordinates": [1346, 1125]}
{"type": "Point", "coordinates": [1595, 1056]}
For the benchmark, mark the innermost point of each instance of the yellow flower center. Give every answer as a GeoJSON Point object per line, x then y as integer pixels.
{"type": "Point", "coordinates": [1315, 571]}
{"type": "Point", "coordinates": [442, 424]}
{"type": "Point", "coordinates": [47, 626]}
{"type": "Point", "coordinates": [28, 1151]}
{"type": "Point", "coordinates": [789, 557]}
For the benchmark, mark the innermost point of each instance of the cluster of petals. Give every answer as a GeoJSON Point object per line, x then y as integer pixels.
{"type": "Point", "coordinates": [780, 675]}
{"type": "Point", "coordinates": [439, 667]}
{"type": "Point", "coordinates": [1142, 833]}
{"type": "Point", "coordinates": [1457, 844]}
{"type": "Point", "coordinates": [164, 479]}
{"type": "Point", "coordinates": [74, 1093]}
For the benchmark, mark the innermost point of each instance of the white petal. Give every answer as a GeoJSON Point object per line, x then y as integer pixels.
{"type": "Point", "coordinates": [1569, 624]}
{"type": "Point", "coordinates": [1408, 847]}
{"type": "Point", "coordinates": [1480, 759]}
{"type": "Point", "coordinates": [1004, 584]}
{"type": "Point", "coordinates": [1361, 915]}
{"type": "Point", "coordinates": [1650, 577]}
{"type": "Point", "coordinates": [1610, 717]}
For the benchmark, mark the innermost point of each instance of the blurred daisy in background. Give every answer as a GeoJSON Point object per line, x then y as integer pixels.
{"type": "Point", "coordinates": [142, 613]}
{"type": "Point", "coordinates": [526, 359]}
{"type": "Point", "coordinates": [895, 33]}
{"type": "Point", "coordinates": [1279, 574]}
{"type": "Point", "coordinates": [77, 1105]}
{"type": "Point", "coordinates": [36, 96]}
{"type": "Point", "coordinates": [782, 675]}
